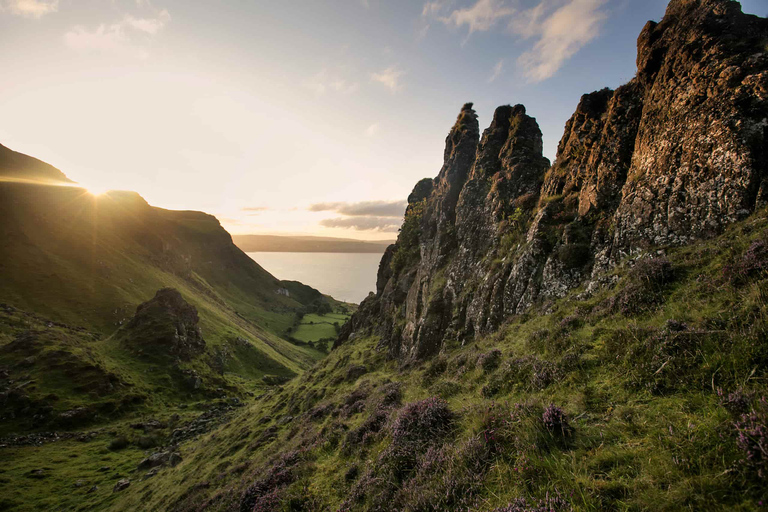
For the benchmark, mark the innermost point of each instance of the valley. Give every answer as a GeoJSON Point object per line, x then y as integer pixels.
{"type": "Point", "coordinates": [583, 334]}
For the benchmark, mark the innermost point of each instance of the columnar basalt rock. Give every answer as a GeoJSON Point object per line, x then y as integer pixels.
{"type": "Point", "coordinates": [676, 154]}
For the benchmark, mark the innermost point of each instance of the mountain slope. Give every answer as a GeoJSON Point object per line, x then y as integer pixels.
{"type": "Point", "coordinates": [73, 269]}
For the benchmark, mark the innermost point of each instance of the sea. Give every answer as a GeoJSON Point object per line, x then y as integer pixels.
{"type": "Point", "coordinates": [348, 277]}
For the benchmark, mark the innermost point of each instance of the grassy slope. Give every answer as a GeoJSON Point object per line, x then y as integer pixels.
{"type": "Point", "coordinates": [649, 430]}
{"type": "Point", "coordinates": [88, 261]}
{"type": "Point", "coordinates": [73, 268]}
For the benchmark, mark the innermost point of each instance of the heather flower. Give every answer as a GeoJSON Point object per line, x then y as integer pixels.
{"type": "Point", "coordinates": [556, 421]}
{"type": "Point", "coordinates": [754, 262]}
{"type": "Point", "coordinates": [752, 438]}
{"type": "Point", "coordinates": [424, 421]}
{"type": "Point", "coordinates": [736, 402]}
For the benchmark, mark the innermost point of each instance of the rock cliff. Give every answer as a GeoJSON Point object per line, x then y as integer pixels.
{"type": "Point", "coordinates": [674, 155]}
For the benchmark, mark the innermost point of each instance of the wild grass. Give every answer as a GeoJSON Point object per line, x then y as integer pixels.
{"type": "Point", "coordinates": [589, 406]}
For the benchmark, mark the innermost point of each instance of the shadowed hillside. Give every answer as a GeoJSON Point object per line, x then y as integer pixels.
{"type": "Point", "coordinates": [73, 269]}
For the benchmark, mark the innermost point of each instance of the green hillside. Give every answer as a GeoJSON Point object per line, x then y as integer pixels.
{"type": "Point", "coordinates": [645, 396]}
{"type": "Point", "coordinates": [73, 269]}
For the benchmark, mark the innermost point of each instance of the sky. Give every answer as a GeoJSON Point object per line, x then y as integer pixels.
{"type": "Point", "coordinates": [310, 117]}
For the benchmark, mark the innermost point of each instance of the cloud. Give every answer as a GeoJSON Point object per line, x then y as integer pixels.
{"type": "Point", "coordinates": [149, 25]}
{"type": "Point", "coordinates": [392, 209]}
{"type": "Point", "coordinates": [327, 81]}
{"type": "Point", "coordinates": [558, 28]}
{"type": "Point", "coordinates": [104, 38]}
{"type": "Point", "coordinates": [435, 7]}
{"type": "Point", "coordinates": [482, 16]}
{"type": "Point", "coordinates": [30, 8]}
{"type": "Point", "coordinates": [390, 78]}
{"type": "Point", "coordinates": [363, 223]}
{"type": "Point", "coordinates": [497, 69]}
{"type": "Point", "coordinates": [372, 130]}
{"type": "Point", "coordinates": [253, 211]}
{"type": "Point", "coordinates": [118, 37]}
{"type": "Point", "coordinates": [561, 34]}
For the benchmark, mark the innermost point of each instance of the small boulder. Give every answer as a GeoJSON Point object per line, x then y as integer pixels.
{"type": "Point", "coordinates": [155, 460]}
{"type": "Point", "coordinates": [356, 371]}
{"type": "Point", "coordinates": [174, 460]}
{"type": "Point", "coordinates": [121, 485]}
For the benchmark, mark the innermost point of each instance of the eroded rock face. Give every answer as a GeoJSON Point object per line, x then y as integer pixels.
{"type": "Point", "coordinates": [675, 154]}
{"type": "Point", "coordinates": [166, 324]}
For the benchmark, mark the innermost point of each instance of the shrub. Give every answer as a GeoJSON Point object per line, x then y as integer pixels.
{"type": "Point", "coordinates": [753, 263]}
{"type": "Point", "coordinates": [654, 271]}
{"type": "Point", "coordinates": [263, 495]}
{"type": "Point", "coordinates": [736, 402]}
{"type": "Point", "coordinates": [648, 278]}
{"type": "Point", "coordinates": [574, 255]}
{"type": "Point", "coordinates": [434, 369]}
{"type": "Point", "coordinates": [423, 422]}
{"type": "Point", "coordinates": [391, 395]}
{"type": "Point", "coordinates": [490, 360]}
{"type": "Point", "coordinates": [752, 438]}
{"type": "Point", "coordinates": [556, 421]}
{"type": "Point", "coordinates": [366, 432]}
{"type": "Point", "coordinates": [118, 443]}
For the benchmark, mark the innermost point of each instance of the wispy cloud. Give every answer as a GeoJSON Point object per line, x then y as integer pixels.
{"type": "Point", "coordinates": [122, 36]}
{"type": "Point", "coordinates": [148, 25]}
{"type": "Point", "coordinates": [254, 211]}
{"type": "Point", "coordinates": [482, 16]}
{"type": "Point", "coordinates": [560, 35]}
{"type": "Point", "coordinates": [29, 8]}
{"type": "Point", "coordinates": [393, 209]}
{"type": "Point", "coordinates": [385, 224]}
{"type": "Point", "coordinates": [436, 7]}
{"type": "Point", "coordinates": [558, 28]}
{"type": "Point", "coordinates": [390, 78]}
{"type": "Point", "coordinates": [497, 70]}
{"type": "Point", "coordinates": [326, 81]}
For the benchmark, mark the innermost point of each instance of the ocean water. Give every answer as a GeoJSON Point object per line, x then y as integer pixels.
{"type": "Point", "coordinates": [344, 276]}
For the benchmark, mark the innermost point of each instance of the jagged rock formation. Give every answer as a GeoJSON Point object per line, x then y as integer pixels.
{"type": "Point", "coordinates": [674, 155]}
{"type": "Point", "coordinates": [165, 324]}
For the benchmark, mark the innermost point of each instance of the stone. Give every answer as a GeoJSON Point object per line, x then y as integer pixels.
{"type": "Point", "coordinates": [121, 485]}
{"type": "Point", "coordinates": [154, 460]}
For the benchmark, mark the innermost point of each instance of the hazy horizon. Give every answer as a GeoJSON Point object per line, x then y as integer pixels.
{"type": "Point", "coordinates": [293, 118]}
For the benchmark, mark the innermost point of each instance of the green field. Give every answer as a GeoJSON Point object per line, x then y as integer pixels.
{"type": "Point", "coordinates": [316, 327]}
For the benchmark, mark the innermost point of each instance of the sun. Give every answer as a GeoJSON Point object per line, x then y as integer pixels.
{"type": "Point", "coordinates": [96, 191]}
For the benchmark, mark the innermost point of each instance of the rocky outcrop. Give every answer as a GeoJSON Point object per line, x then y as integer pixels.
{"type": "Point", "coordinates": [676, 154]}
{"type": "Point", "coordinates": [165, 325]}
